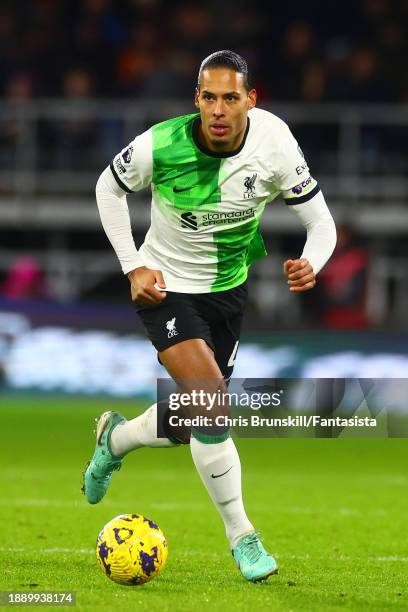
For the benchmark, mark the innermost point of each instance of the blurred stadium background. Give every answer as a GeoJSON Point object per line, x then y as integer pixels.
{"type": "Point", "coordinates": [79, 79]}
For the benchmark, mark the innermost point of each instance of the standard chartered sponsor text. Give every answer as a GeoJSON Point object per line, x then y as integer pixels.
{"type": "Point", "coordinates": [219, 217]}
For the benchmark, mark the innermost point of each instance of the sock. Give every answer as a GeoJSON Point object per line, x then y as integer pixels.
{"type": "Point", "coordinates": [220, 470]}
{"type": "Point", "coordinates": [141, 431]}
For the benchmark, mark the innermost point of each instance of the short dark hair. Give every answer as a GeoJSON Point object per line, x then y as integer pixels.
{"type": "Point", "coordinates": [227, 59]}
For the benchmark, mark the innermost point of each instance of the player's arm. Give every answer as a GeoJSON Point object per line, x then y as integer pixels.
{"type": "Point", "coordinates": [125, 175]}
{"type": "Point", "coordinates": [320, 242]}
{"type": "Point", "coordinates": [304, 198]}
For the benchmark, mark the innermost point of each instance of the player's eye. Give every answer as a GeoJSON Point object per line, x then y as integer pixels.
{"type": "Point", "coordinates": [207, 96]}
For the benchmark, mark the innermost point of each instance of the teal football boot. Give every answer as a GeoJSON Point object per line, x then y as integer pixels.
{"type": "Point", "coordinates": [99, 470]}
{"type": "Point", "coordinates": [253, 560]}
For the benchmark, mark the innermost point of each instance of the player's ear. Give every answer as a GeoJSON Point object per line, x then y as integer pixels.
{"type": "Point", "coordinates": [252, 96]}
{"type": "Point", "coordinates": [197, 93]}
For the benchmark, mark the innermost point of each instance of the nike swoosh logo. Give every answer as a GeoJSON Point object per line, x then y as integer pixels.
{"type": "Point", "coordinates": [178, 190]}
{"type": "Point", "coordinates": [223, 474]}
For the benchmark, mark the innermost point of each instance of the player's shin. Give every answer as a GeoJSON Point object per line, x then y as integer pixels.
{"type": "Point", "coordinates": [218, 464]}
{"type": "Point", "coordinates": [138, 432]}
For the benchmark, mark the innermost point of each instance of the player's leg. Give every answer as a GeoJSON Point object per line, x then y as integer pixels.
{"type": "Point", "coordinates": [193, 366]}
{"type": "Point", "coordinates": [115, 436]}
{"type": "Point", "coordinates": [143, 430]}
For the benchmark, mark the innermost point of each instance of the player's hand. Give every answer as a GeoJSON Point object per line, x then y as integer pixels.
{"type": "Point", "coordinates": [300, 274]}
{"type": "Point", "coordinates": [145, 285]}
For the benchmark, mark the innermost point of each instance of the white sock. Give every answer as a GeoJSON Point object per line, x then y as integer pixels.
{"type": "Point", "coordinates": [141, 431]}
{"type": "Point", "coordinates": [222, 460]}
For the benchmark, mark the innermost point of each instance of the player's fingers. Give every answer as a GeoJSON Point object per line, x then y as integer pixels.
{"type": "Point", "coordinates": [154, 293]}
{"type": "Point", "coordinates": [302, 281]}
{"type": "Point", "coordinates": [305, 271]}
{"type": "Point", "coordinates": [297, 265]}
{"type": "Point", "coordinates": [159, 278]}
{"type": "Point", "coordinates": [146, 294]}
{"type": "Point", "coordinates": [133, 293]}
{"type": "Point", "coordinates": [306, 287]}
{"type": "Point", "coordinates": [143, 297]}
{"type": "Point", "coordinates": [287, 265]}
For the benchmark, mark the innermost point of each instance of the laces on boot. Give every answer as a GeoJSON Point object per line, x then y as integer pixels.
{"type": "Point", "coordinates": [251, 548]}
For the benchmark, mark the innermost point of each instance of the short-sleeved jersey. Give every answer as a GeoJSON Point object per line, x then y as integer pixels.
{"type": "Point", "coordinates": [206, 207]}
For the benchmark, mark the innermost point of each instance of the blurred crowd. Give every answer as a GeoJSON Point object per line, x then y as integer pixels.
{"type": "Point", "coordinates": [318, 51]}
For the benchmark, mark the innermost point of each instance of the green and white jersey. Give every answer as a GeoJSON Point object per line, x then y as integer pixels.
{"type": "Point", "coordinates": [206, 207]}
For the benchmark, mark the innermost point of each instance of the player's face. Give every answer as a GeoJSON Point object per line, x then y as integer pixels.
{"type": "Point", "coordinates": [223, 102]}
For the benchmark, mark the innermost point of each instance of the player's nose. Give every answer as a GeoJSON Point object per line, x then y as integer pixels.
{"type": "Point", "coordinates": [218, 109]}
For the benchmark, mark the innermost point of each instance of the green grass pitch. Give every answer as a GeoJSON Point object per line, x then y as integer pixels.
{"type": "Point", "coordinates": [334, 512]}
